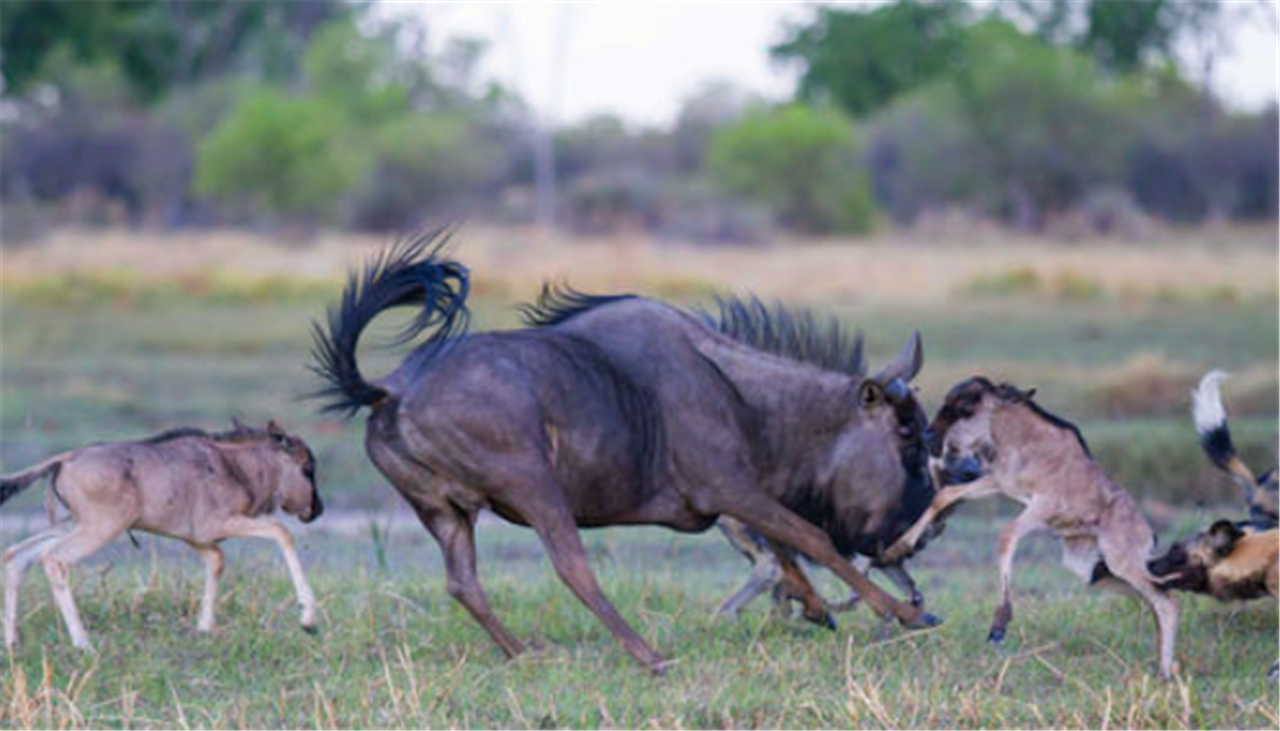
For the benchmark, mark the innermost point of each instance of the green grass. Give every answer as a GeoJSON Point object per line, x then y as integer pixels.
{"type": "Point", "coordinates": [395, 651]}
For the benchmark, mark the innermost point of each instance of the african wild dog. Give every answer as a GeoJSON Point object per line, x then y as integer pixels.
{"type": "Point", "coordinates": [1229, 561]}
{"type": "Point", "coordinates": [603, 411]}
{"type": "Point", "coordinates": [188, 484]}
{"type": "Point", "coordinates": [1019, 450]}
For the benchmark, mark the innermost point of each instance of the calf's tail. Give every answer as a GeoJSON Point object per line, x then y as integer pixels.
{"type": "Point", "coordinates": [11, 485]}
{"type": "Point", "coordinates": [412, 273]}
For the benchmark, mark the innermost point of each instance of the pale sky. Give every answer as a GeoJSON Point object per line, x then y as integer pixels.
{"type": "Point", "coordinates": [639, 60]}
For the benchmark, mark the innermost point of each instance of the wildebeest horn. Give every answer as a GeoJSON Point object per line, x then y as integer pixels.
{"type": "Point", "coordinates": [906, 364]}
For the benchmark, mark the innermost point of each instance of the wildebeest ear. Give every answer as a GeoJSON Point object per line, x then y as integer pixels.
{"type": "Point", "coordinates": [1223, 536]}
{"type": "Point", "coordinates": [870, 394]}
{"type": "Point", "coordinates": [1028, 394]}
{"type": "Point", "coordinates": [906, 365]}
{"type": "Point", "coordinates": [237, 424]}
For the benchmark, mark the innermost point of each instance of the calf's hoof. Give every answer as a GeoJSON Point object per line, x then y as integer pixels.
{"type": "Point", "coordinates": [311, 629]}
{"type": "Point", "coordinates": [996, 635]}
{"type": "Point", "coordinates": [1274, 672]}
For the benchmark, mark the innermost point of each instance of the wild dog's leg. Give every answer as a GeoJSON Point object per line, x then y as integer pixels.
{"type": "Point", "coordinates": [899, 576]}
{"type": "Point", "coordinates": [60, 554]}
{"type": "Point", "coordinates": [455, 532]}
{"type": "Point", "coordinates": [946, 497]}
{"type": "Point", "coordinates": [765, 571]}
{"type": "Point", "coordinates": [241, 526]}
{"type": "Point", "coordinates": [554, 522]}
{"type": "Point", "coordinates": [794, 584]}
{"type": "Point", "coordinates": [780, 524]}
{"type": "Point", "coordinates": [16, 560]}
{"type": "Point", "coordinates": [213, 565]}
{"type": "Point", "coordinates": [1025, 523]}
{"type": "Point", "coordinates": [1130, 568]}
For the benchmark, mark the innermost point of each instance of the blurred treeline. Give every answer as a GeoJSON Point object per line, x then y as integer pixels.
{"type": "Point", "coordinates": [1045, 115]}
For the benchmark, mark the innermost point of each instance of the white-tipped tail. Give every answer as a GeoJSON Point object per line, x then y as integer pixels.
{"type": "Point", "coordinates": [1206, 402]}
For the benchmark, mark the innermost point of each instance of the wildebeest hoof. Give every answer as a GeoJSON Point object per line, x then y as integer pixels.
{"type": "Point", "coordinates": [311, 629]}
{"type": "Point", "coordinates": [996, 635]}
{"type": "Point", "coordinates": [825, 619]}
{"type": "Point", "coordinates": [925, 620]}
{"type": "Point", "coordinates": [1274, 672]}
{"type": "Point", "coordinates": [917, 600]}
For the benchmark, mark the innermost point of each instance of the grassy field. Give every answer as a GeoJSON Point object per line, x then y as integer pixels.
{"type": "Point", "coordinates": [116, 336]}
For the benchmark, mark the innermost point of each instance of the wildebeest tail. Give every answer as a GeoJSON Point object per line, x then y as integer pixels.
{"type": "Point", "coordinates": [11, 485]}
{"type": "Point", "coordinates": [412, 273]}
{"type": "Point", "coordinates": [1215, 437]}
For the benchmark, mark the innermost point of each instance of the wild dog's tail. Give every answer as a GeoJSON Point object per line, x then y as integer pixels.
{"type": "Point", "coordinates": [411, 273]}
{"type": "Point", "coordinates": [15, 483]}
{"type": "Point", "coordinates": [1215, 437]}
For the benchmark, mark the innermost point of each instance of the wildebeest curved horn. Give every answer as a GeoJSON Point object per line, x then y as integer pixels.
{"type": "Point", "coordinates": [906, 364]}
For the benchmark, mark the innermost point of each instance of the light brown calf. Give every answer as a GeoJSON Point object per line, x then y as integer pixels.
{"type": "Point", "coordinates": [1016, 449]}
{"type": "Point", "coordinates": [188, 484]}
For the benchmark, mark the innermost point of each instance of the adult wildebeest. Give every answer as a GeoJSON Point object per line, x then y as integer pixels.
{"type": "Point", "coordinates": [605, 411]}
{"type": "Point", "coordinates": [1014, 448]}
{"type": "Point", "coordinates": [798, 333]}
{"type": "Point", "coordinates": [188, 484]}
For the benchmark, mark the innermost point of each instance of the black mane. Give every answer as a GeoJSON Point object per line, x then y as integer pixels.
{"type": "Point", "coordinates": [236, 434]}
{"type": "Point", "coordinates": [789, 332]}
{"type": "Point", "coordinates": [1009, 392]}
{"type": "Point", "coordinates": [559, 302]}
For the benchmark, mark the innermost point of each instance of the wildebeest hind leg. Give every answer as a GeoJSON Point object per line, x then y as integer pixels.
{"type": "Point", "coordinates": [900, 578]}
{"type": "Point", "coordinates": [455, 532]}
{"type": "Point", "coordinates": [554, 522]}
{"type": "Point", "coordinates": [795, 584]}
{"type": "Point", "coordinates": [780, 524]}
{"type": "Point", "coordinates": [16, 560]}
{"type": "Point", "coordinates": [765, 570]}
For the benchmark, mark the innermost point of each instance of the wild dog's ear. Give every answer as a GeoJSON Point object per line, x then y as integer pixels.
{"type": "Point", "coordinates": [870, 394]}
{"type": "Point", "coordinates": [906, 365]}
{"type": "Point", "coordinates": [1223, 536]}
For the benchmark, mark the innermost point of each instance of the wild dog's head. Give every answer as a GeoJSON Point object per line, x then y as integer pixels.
{"type": "Point", "coordinates": [1187, 563]}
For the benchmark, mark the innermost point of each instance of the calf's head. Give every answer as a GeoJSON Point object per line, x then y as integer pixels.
{"type": "Point", "coordinates": [960, 441]}
{"type": "Point", "coordinates": [296, 491]}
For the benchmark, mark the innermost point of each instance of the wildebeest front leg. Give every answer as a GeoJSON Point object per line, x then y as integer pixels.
{"type": "Point", "coordinates": [899, 576]}
{"type": "Point", "coordinates": [765, 570]}
{"type": "Point", "coordinates": [794, 584]}
{"type": "Point", "coordinates": [1008, 546]}
{"type": "Point", "coordinates": [780, 524]}
{"type": "Point", "coordinates": [273, 531]}
{"type": "Point", "coordinates": [455, 532]}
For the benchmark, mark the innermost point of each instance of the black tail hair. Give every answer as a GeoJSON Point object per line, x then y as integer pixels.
{"type": "Point", "coordinates": [11, 486]}
{"type": "Point", "coordinates": [410, 273]}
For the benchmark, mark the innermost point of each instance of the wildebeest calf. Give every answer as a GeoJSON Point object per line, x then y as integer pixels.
{"type": "Point", "coordinates": [188, 484]}
{"type": "Point", "coordinates": [1016, 449]}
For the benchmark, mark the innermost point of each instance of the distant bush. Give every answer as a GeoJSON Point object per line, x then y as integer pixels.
{"type": "Point", "coordinates": [801, 161]}
{"type": "Point", "coordinates": [280, 154]}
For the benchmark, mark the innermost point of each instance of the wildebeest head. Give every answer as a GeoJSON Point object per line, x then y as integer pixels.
{"type": "Point", "coordinates": [885, 446]}
{"type": "Point", "coordinates": [296, 490]}
{"type": "Point", "coordinates": [960, 435]}
{"type": "Point", "coordinates": [1187, 563]}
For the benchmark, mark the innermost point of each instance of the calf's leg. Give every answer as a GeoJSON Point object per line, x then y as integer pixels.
{"type": "Point", "coordinates": [214, 562]}
{"type": "Point", "coordinates": [16, 560]}
{"type": "Point", "coordinates": [60, 554]}
{"type": "Point", "coordinates": [269, 529]}
{"type": "Point", "coordinates": [946, 498]}
{"type": "Point", "coordinates": [1130, 567]}
{"type": "Point", "coordinates": [1009, 537]}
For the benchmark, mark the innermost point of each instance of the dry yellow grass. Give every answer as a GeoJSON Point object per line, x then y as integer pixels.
{"type": "Point", "coordinates": [514, 261]}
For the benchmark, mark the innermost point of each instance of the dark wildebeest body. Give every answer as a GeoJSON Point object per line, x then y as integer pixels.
{"type": "Point", "coordinates": [609, 411]}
